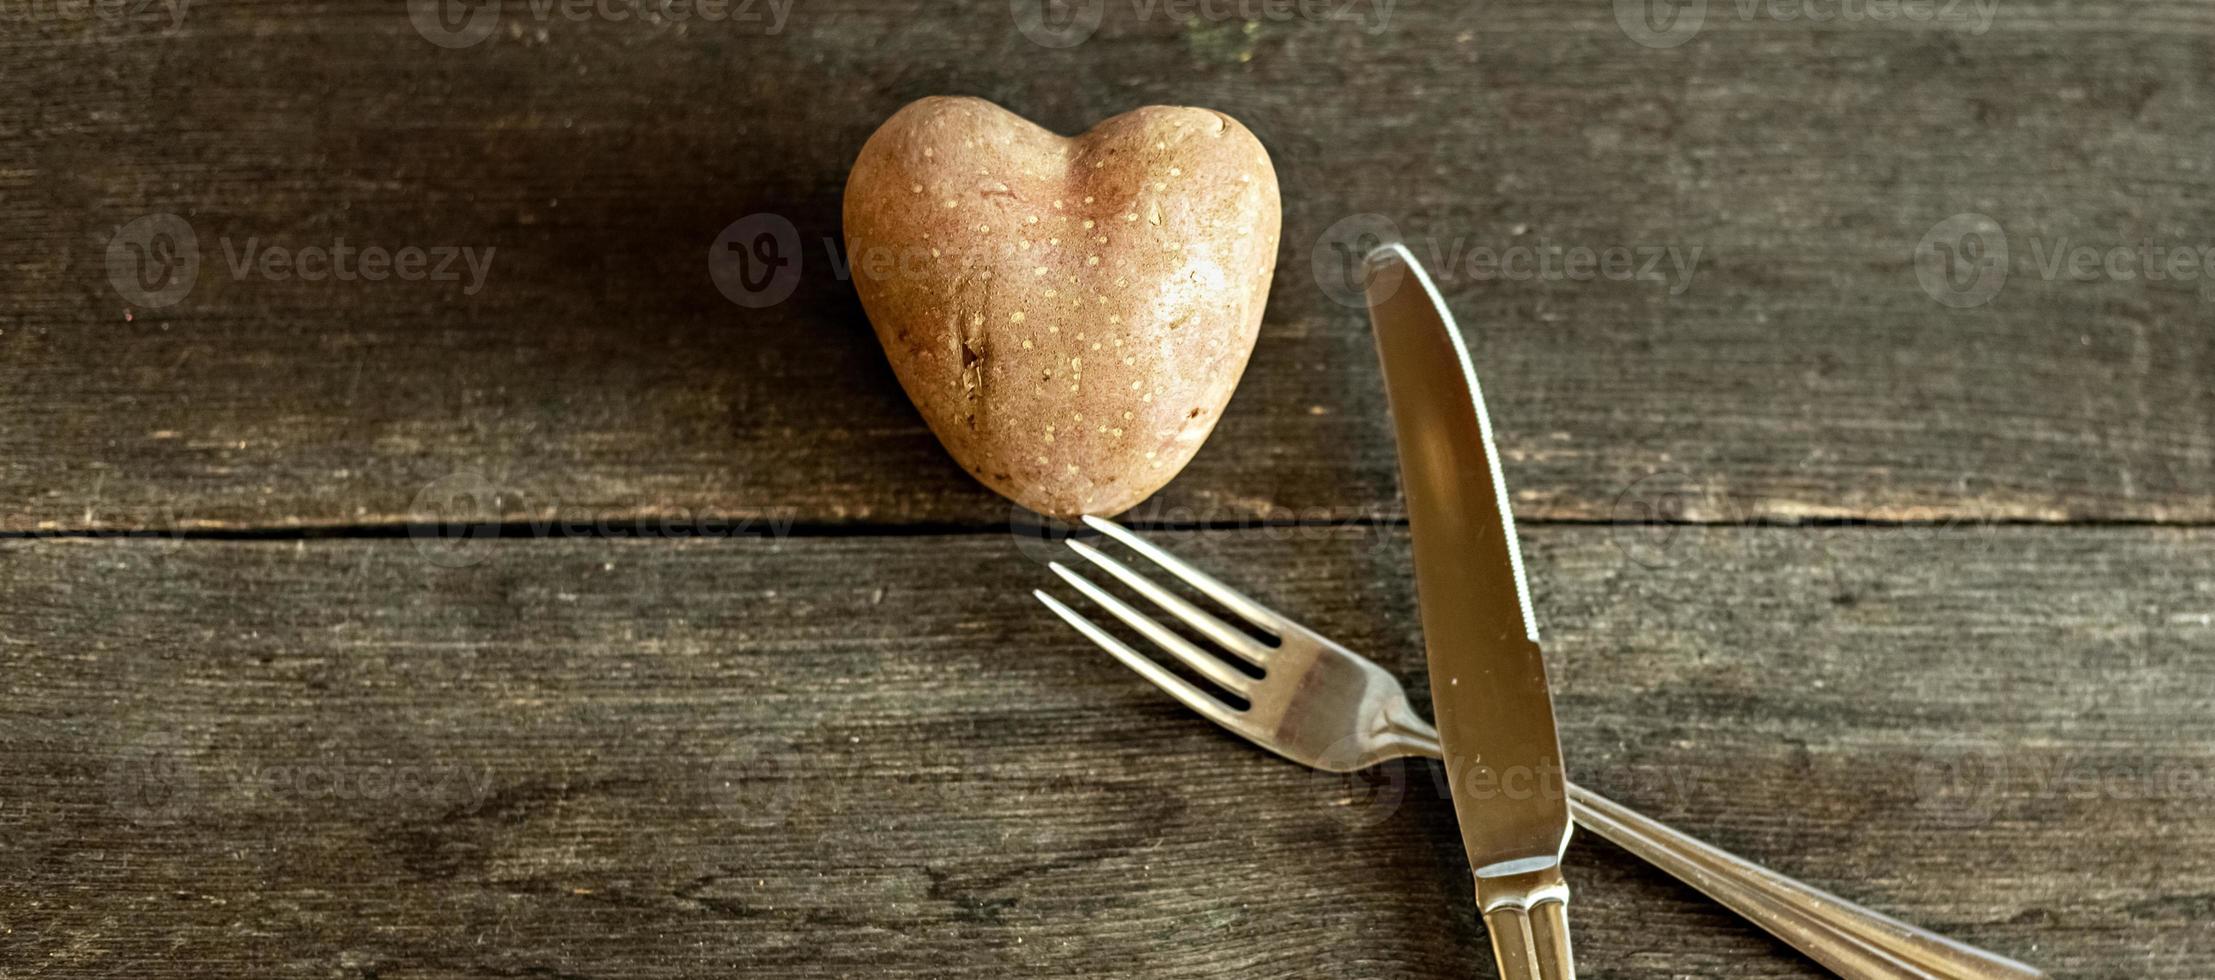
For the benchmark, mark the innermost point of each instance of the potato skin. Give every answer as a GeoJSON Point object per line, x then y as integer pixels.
{"type": "Point", "coordinates": [1070, 315]}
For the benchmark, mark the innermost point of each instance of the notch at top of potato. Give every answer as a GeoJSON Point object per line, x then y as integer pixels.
{"type": "Point", "coordinates": [1069, 314]}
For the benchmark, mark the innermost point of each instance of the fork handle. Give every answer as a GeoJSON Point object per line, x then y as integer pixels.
{"type": "Point", "coordinates": [1853, 941]}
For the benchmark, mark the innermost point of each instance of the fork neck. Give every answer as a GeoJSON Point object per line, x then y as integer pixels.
{"type": "Point", "coordinates": [1404, 733]}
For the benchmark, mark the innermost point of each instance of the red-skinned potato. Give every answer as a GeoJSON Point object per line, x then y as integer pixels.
{"type": "Point", "coordinates": [1070, 315]}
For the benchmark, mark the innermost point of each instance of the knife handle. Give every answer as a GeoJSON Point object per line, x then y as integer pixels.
{"type": "Point", "coordinates": [1528, 917]}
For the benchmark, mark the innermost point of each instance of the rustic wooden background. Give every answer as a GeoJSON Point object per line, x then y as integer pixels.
{"type": "Point", "coordinates": [726, 668]}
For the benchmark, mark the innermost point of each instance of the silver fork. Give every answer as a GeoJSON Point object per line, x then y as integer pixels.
{"type": "Point", "coordinates": [1324, 706]}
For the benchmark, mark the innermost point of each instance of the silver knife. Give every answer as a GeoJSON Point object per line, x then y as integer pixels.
{"type": "Point", "coordinates": [1488, 680]}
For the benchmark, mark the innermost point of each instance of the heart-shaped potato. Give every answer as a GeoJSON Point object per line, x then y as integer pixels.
{"type": "Point", "coordinates": [1070, 315]}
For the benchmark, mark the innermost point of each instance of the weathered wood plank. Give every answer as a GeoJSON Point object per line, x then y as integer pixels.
{"type": "Point", "coordinates": [1802, 371]}
{"type": "Point", "coordinates": [828, 757]}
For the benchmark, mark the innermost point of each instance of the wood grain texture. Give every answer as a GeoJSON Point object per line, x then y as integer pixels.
{"type": "Point", "coordinates": [827, 757]}
{"type": "Point", "coordinates": [1801, 372]}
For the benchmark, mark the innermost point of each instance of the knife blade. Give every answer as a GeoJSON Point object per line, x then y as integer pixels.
{"type": "Point", "coordinates": [1488, 678]}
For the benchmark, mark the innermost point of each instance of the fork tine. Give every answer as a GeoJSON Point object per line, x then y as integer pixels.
{"type": "Point", "coordinates": [1177, 687]}
{"type": "Point", "coordinates": [1247, 609]}
{"type": "Point", "coordinates": [1232, 638]}
{"type": "Point", "coordinates": [1200, 660]}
